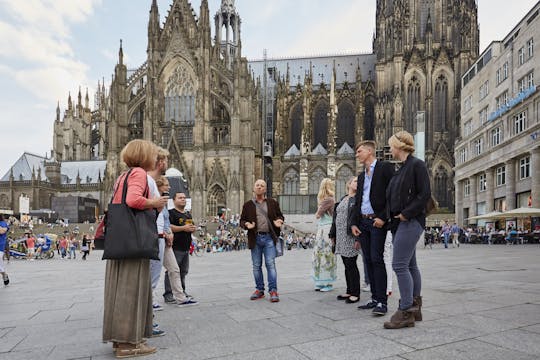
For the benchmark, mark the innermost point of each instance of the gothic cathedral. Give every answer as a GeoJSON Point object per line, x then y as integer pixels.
{"type": "Point", "coordinates": [213, 110]}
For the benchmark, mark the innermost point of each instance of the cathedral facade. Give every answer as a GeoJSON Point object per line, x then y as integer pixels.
{"type": "Point", "coordinates": [194, 97]}
{"type": "Point", "coordinates": [227, 121]}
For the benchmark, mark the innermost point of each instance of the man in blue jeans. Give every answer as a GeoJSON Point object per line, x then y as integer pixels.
{"type": "Point", "coordinates": [263, 219]}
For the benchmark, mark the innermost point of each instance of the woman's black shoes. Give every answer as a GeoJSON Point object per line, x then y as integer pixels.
{"type": "Point", "coordinates": [352, 299]}
{"type": "Point", "coordinates": [343, 297]}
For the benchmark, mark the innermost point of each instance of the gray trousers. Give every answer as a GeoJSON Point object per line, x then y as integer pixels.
{"type": "Point", "coordinates": [404, 261]}
{"type": "Point", "coordinates": [182, 258]}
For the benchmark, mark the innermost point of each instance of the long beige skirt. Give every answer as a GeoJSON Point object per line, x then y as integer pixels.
{"type": "Point", "coordinates": [127, 316]}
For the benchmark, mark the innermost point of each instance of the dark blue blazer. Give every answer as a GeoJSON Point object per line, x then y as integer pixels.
{"type": "Point", "coordinates": [382, 174]}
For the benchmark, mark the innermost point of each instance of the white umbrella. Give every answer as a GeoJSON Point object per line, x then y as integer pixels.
{"type": "Point", "coordinates": [490, 215]}
{"type": "Point", "coordinates": [522, 212]}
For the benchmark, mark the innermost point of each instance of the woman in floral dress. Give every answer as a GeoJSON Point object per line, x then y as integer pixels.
{"type": "Point", "coordinates": [324, 260]}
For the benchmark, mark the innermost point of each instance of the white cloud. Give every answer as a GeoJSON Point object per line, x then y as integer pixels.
{"type": "Point", "coordinates": [35, 42]}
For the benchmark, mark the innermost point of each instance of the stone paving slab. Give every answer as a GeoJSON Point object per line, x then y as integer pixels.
{"type": "Point", "coordinates": [480, 302]}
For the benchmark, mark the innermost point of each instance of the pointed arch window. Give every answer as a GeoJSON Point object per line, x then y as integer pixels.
{"type": "Point", "coordinates": [315, 179]}
{"type": "Point", "coordinates": [216, 200]}
{"type": "Point", "coordinates": [413, 104]}
{"type": "Point", "coordinates": [442, 191]}
{"type": "Point", "coordinates": [342, 176]}
{"type": "Point", "coordinates": [369, 118]}
{"type": "Point", "coordinates": [180, 105]}
{"type": "Point", "coordinates": [297, 120]}
{"type": "Point", "coordinates": [291, 182]}
{"type": "Point", "coordinates": [320, 123]}
{"type": "Point", "coordinates": [440, 106]}
{"type": "Point", "coordinates": [135, 126]}
{"type": "Point", "coordinates": [345, 123]}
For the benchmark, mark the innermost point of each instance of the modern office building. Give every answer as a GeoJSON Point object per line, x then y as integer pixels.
{"type": "Point", "coordinates": [498, 153]}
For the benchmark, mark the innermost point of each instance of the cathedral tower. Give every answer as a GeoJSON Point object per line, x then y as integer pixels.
{"type": "Point", "coordinates": [423, 47]}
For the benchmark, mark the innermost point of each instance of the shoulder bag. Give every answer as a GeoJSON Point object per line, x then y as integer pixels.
{"type": "Point", "coordinates": [130, 233]}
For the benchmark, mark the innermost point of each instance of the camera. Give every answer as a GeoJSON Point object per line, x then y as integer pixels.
{"type": "Point", "coordinates": [165, 193]}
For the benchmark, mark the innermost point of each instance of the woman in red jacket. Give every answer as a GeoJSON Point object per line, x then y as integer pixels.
{"type": "Point", "coordinates": [127, 317]}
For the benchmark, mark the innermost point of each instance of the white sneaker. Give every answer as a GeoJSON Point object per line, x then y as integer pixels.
{"type": "Point", "coordinates": [366, 287]}
{"type": "Point", "coordinates": [5, 277]}
{"type": "Point", "coordinates": [157, 307]}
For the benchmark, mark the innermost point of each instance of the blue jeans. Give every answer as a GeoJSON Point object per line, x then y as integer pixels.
{"type": "Point", "coordinates": [264, 245]}
{"type": "Point", "coordinates": [446, 238]}
{"type": "Point", "coordinates": [404, 261]}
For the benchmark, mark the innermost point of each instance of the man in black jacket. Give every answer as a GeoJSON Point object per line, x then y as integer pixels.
{"type": "Point", "coordinates": [369, 224]}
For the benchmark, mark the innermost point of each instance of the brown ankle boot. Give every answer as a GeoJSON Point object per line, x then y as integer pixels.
{"type": "Point", "coordinates": [417, 303]}
{"type": "Point", "coordinates": [400, 319]}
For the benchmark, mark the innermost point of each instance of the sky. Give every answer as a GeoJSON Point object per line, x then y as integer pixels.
{"type": "Point", "coordinates": [50, 48]}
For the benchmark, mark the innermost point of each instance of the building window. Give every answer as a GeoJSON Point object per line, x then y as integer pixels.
{"type": "Point", "coordinates": [180, 94]}
{"type": "Point", "coordinates": [505, 70]}
{"type": "Point", "coordinates": [467, 188]}
{"type": "Point", "coordinates": [482, 185]}
{"type": "Point", "coordinates": [467, 128]}
{"type": "Point", "coordinates": [526, 82]}
{"type": "Point", "coordinates": [291, 182]}
{"type": "Point", "coordinates": [441, 104]}
{"type": "Point", "coordinates": [498, 76]}
{"type": "Point", "coordinates": [495, 136]}
{"type": "Point", "coordinates": [501, 175]}
{"type": "Point", "coordinates": [412, 104]}
{"type": "Point", "coordinates": [521, 56]}
{"type": "Point", "coordinates": [519, 122]}
{"type": "Point", "coordinates": [463, 155]}
{"type": "Point", "coordinates": [478, 146]}
{"type": "Point", "coordinates": [483, 114]}
{"type": "Point", "coordinates": [530, 48]}
{"type": "Point", "coordinates": [502, 100]}
{"type": "Point", "coordinates": [530, 79]}
{"type": "Point", "coordinates": [467, 104]}
{"type": "Point", "coordinates": [484, 89]}
{"type": "Point", "coordinates": [524, 167]}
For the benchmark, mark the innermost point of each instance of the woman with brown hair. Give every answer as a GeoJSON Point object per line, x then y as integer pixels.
{"type": "Point", "coordinates": [407, 196]}
{"type": "Point", "coordinates": [346, 244]}
{"type": "Point", "coordinates": [127, 317]}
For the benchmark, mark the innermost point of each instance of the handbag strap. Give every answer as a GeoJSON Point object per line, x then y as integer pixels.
{"type": "Point", "coordinates": [266, 215]}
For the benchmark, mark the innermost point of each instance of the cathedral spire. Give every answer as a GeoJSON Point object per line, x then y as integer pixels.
{"type": "Point", "coordinates": [58, 111]}
{"type": "Point", "coordinates": [79, 98]}
{"type": "Point", "coordinates": [87, 100]}
{"type": "Point", "coordinates": [70, 104]}
{"type": "Point", "coordinates": [121, 54]}
{"type": "Point", "coordinates": [204, 23]}
{"type": "Point", "coordinates": [153, 25]}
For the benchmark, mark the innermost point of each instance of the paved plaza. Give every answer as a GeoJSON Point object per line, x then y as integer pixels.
{"type": "Point", "coordinates": [480, 302]}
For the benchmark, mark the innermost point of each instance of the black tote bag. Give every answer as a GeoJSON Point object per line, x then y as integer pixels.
{"type": "Point", "coordinates": [130, 233]}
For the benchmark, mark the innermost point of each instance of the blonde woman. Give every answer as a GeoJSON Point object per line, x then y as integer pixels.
{"type": "Point", "coordinates": [324, 260]}
{"type": "Point", "coordinates": [407, 196]}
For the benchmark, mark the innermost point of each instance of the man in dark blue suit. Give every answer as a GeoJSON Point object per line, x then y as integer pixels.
{"type": "Point", "coordinates": [369, 225]}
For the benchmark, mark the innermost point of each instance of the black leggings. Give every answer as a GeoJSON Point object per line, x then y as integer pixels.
{"type": "Point", "coordinates": [352, 275]}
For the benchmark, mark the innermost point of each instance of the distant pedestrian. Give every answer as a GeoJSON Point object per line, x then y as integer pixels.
{"type": "Point", "coordinates": [30, 246]}
{"type": "Point", "coordinates": [85, 246]}
{"type": "Point", "coordinates": [445, 230]}
{"type": "Point", "coordinates": [4, 228]}
{"type": "Point", "coordinates": [454, 230]}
